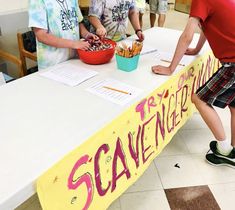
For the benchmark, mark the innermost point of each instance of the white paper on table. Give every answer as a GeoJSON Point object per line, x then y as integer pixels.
{"type": "Point", "coordinates": [115, 91]}
{"type": "Point", "coordinates": [147, 50]}
{"type": "Point", "coordinates": [69, 74]}
{"type": "Point", "coordinates": [2, 79]}
{"type": "Point", "coordinates": [167, 57]}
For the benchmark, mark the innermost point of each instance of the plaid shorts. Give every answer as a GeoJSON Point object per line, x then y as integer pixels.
{"type": "Point", "coordinates": [219, 90]}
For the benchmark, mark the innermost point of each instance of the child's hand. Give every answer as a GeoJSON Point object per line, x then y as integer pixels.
{"type": "Point", "coordinates": [162, 70]}
{"type": "Point", "coordinates": [91, 36]}
{"type": "Point", "coordinates": [140, 36]}
{"type": "Point", "coordinates": [101, 32]}
{"type": "Point", "coordinates": [82, 45]}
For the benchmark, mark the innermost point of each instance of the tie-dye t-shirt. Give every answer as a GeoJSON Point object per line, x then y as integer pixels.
{"type": "Point", "coordinates": [113, 15]}
{"type": "Point", "coordinates": [60, 18]}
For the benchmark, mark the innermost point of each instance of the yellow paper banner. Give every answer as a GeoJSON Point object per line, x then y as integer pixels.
{"type": "Point", "coordinates": [101, 169]}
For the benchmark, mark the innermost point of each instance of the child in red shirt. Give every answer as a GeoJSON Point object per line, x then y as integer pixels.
{"type": "Point", "coordinates": [216, 19]}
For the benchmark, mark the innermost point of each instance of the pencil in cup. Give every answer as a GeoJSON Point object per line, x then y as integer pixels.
{"type": "Point", "coordinates": [129, 52]}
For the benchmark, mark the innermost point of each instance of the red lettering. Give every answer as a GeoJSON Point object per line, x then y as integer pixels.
{"type": "Point", "coordinates": [184, 97]}
{"type": "Point", "coordinates": [134, 154]}
{"type": "Point", "coordinates": [151, 103]}
{"type": "Point", "coordinates": [160, 125]}
{"type": "Point", "coordinates": [144, 150]}
{"type": "Point", "coordinates": [98, 182]}
{"type": "Point", "coordinates": [119, 154]}
{"type": "Point", "coordinates": [172, 115]}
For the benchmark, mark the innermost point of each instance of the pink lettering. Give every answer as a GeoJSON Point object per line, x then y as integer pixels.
{"type": "Point", "coordinates": [85, 178]}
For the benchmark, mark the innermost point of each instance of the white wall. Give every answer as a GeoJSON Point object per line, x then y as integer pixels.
{"type": "Point", "coordinates": [12, 6]}
{"type": "Point", "coordinates": [13, 18]}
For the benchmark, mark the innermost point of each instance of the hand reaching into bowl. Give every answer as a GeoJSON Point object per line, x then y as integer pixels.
{"type": "Point", "coordinates": [81, 45]}
{"type": "Point", "coordinates": [90, 36]}
{"type": "Point", "coordinates": [98, 44]}
{"type": "Point", "coordinates": [85, 45]}
{"type": "Point", "coordinates": [101, 32]}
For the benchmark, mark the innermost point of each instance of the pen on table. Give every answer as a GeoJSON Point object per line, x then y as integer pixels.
{"type": "Point", "coordinates": [170, 62]}
{"type": "Point", "coordinates": [114, 89]}
{"type": "Point", "coordinates": [148, 52]}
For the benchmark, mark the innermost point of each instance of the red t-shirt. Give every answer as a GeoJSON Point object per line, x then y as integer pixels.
{"type": "Point", "coordinates": [217, 19]}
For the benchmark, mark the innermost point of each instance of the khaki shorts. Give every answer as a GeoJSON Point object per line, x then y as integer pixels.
{"type": "Point", "coordinates": [140, 10]}
{"type": "Point", "coordinates": [158, 6]}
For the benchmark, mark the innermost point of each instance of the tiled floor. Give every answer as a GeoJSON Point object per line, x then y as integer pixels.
{"type": "Point", "coordinates": [187, 149]}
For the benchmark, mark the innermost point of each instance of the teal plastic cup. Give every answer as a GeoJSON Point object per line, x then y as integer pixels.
{"type": "Point", "coordinates": [127, 64]}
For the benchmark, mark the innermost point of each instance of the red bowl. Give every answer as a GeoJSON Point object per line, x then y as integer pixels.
{"type": "Point", "coordinates": [98, 57]}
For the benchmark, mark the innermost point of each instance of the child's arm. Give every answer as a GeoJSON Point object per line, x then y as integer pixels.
{"type": "Point", "coordinates": [134, 19]}
{"type": "Point", "coordinates": [54, 41]}
{"type": "Point", "coordinates": [100, 29]}
{"type": "Point", "coordinates": [183, 43]}
{"type": "Point", "coordinates": [196, 50]}
{"type": "Point", "coordinates": [85, 33]}
{"type": "Point", "coordinates": [96, 10]}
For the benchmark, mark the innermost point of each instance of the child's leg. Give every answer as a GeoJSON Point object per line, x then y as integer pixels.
{"type": "Point", "coordinates": [161, 20]}
{"type": "Point", "coordinates": [232, 110]}
{"type": "Point", "coordinates": [210, 117]}
{"type": "Point", "coordinates": [152, 19]}
{"type": "Point", "coordinates": [141, 19]}
{"type": "Point", "coordinates": [162, 10]}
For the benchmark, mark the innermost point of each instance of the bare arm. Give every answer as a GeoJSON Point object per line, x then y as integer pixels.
{"type": "Point", "coordinates": [134, 19]}
{"type": "Point", "coordinates": [196, 50]}
{"type": "Point", "coordinates": [54, 41]}
{"type": "Point", "coordinates": [182, 45]}
{"type": "Point", "coordinates": [85, 33]}
{"type": "Point", "coordinates": [100, 30]}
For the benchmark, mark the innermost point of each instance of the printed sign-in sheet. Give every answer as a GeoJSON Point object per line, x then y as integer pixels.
{"type": "Point", "coordinates": [167, 57]}
{"type": "Point", "coordinates": [115, 91]}
{"type": "Point", "coordinates": [69, 74]}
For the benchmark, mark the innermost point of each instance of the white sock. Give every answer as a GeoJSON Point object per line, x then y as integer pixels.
{"type": "Point", "coordinates": [224, 147]}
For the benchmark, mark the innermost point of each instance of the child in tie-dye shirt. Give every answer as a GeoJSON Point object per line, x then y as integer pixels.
{"type": "Point", "coordinates": [110, 18]}
{"type": "Point", "coordinates": [57, 25]}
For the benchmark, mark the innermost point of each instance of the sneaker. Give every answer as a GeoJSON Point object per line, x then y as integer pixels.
{"type": "Point", "coordinates": [226, 159]}
{"type": "Point", "coordinates": [215, 150]}
{"type": "Point", "coordinates": [219, 161]}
